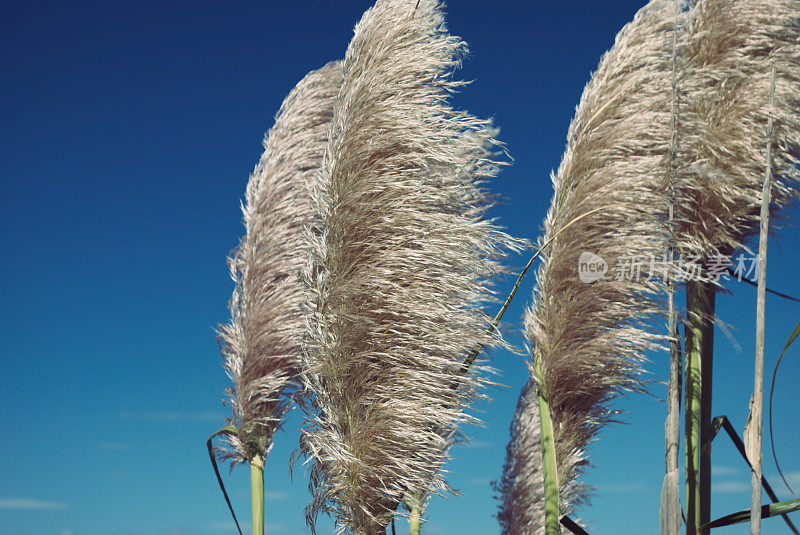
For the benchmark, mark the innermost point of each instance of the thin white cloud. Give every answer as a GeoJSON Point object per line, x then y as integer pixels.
{"type": "Point", "coordinates": [479, 445]}
{"type": "Point", "coordinates": [28, 504]}
{"type": "Point", "coordinates": [222, 526]}
{"type": "Point", "coordinates": [230, 526]}
{"type": "Point", "coordinates": [793, 477]}
{"type": "Point", "coordinates": [432, 530]}
{"type": "Point", "coordinates": [722, 470]}
{"type": "Point", "coordinates": [276, 495]}
{"type": "Point", "coordinates": [174, 416]}
{"type": "Point", "coordinates": [114, 446]}
{"type": "Point", "coordinates": [633, 486]}
{"type": "Point", "coordinates": [180, 530]}
{"type": "Point", "coordinates": [730, 487]}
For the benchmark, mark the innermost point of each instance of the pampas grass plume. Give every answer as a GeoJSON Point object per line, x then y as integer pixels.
{"type": "Point", "coordinates": [590, 338]}
{"type": "Point", "coordinates": [521, 490]}
{"type": "Point", "coordinates": [399, 269]}
{"type": "Point", "coordinates": [729, 50]}
{"type": "Point", "coordinates": [261, 343]}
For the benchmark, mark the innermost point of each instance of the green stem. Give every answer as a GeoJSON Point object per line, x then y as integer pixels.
{"type": "Point", "coordinates": [257, 493]}
{"type": "Point", "coordinates": [698, 378]}
{"type": "Point", "coordinates": [706, 382]}
{"type": "Point", "coordinates": [549, 468]}
{"type": "Point", "coordinates": [414, 502]}
{"type": "Point", "coordinates": [693, 334]}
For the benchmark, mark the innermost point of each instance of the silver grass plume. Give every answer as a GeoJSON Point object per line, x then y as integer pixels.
{"type": "Point", "coordinates": [729, 50]}
{"type": "Point", "coordinates": [521, 490]}
{"type": "Point", "coordinates": [589, 338]}
{"type": "Point", "coordinates": [738, 56]}
{"type": "Point", "coordinates": [400, 266]}
{"type": "Point", "coordinates": [261, 343]}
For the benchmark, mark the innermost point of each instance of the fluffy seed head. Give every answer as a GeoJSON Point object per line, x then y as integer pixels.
{"type": "Point", "coordinates": [728, 53]}
{"type": "Point", "coordinates": [591, 336]}
{"type": "Point", "coordinates": [261, 343]}
{"type": "Point", "coordinates": [399, 269]}
{"type": "Point", "coordinates": [521, 490]}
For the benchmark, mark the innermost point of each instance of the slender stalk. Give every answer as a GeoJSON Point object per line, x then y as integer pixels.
{"type": "Point", "coordinates": [723, 423]}
{"type": "Point", "coordinates": [499, 316]}
{"type": "Point", "coordinates": [413, 521]}
{"type": "Point", "coordinates": [415, 516]}
{"type": "Point", "coordinates": [758, 387]}
{"type": "Point", "coordinates": [699, 334]}
{"type": "Point", "coordinates": [257, 493]}
{"type": "Point", "coordinates": [670, 512]}
{"type": "Point", "coordinates": [670, 494]}
{"type": "Point", "coordinates": [706, 384]}
{"type": "Point", "coordinates": [549, 468]}
{"type": "Point", "coordinates": [693, 334]}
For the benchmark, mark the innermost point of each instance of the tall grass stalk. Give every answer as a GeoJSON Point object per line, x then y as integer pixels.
{"type": "Point", "coordinates": [697, 420]}
{"type": "Point", "coordinates": [415, 505]}
{"type": "Point", "coordinates": [758, 388]}
{"type": "Point", "coordinates": [670, 507]}
{"type": "Point", "coordinates": [257, 494]}
{"type": "Point", "coordinates": [726, 71]}
{"type": "Point", "coordinates": [549, 464]}
{"type": "Point", "coordinates": [521, 490]}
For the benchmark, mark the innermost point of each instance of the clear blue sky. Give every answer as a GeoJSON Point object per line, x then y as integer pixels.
{"type": "Point", "coordinates": [127, 135]}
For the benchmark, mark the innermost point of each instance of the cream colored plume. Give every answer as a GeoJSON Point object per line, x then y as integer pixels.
{"type": "Point", "coordinates": [400, 266]}
{"type": "Point", "coordinates": [730, 47]}
{"type": "Point", "coordinates": [261, 343]}
{"type": "Point", "coordinates": [590, 328]}
{"type": "Point", "coordinates": [521, 490]}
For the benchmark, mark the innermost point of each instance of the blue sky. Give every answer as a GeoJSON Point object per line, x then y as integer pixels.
{"type": "Point", "coordinates": [128, 132]}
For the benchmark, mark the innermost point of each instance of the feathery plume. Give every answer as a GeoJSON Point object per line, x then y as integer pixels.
{"type": "Point", "coordinates": [400, 265]}
{"type": "Point", "coordinates": [521, 490]}
{"type": "Point", "coordinates": [588, 330]}
{"type": "Point", "coordinates": [261, 343]}
{"type": "Point", "coordinates": [729, 50]}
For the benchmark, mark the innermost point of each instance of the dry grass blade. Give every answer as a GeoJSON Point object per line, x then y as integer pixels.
{"type": "Point", "coordinates": [670, 502]}
{"type": "Point", "coordinates": [792, 337]}
{"type": "Point", "coordinates": [261, 343]}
